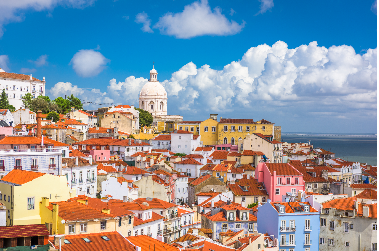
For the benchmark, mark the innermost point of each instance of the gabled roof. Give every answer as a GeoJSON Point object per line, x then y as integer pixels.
{"type": "Point", "coordinates": [77, 153]}
{"type": "Point", "coordinates": [73, 211]}
{"type": "Point", "coordinates": [282, 169]}
{"type": "Point", "coordinates": [248, 187]}
{"type": "Point", "coordinates": [100, 130]}
{"type": "Point", "coordinates": [200, 180]}
{"type": "Point", "coordinates": [189, 161]}
{"type": "Point", "coordinates": [372, 208]}
{"type": "Point", "coordinates": [147, 243]}
{"type": "Point", "coordinates": [154, 217]}
{"type": "Point", "coordinates": [205, 149]}
{"type": "Point", "coordinates": [208, 167]}
{"type": "Point", "coordinates": [86, 113]}
{"type": "Point", "coordinates": [341, 204]}
{"type": "Point", "coordinates": [182, 132]}
{"type": "Point", "coordinates": [363, 186]}
{"type": "Point", "coordinates": [368, 194]}
{"type": "Point", "coordinates": [290, 206]}
{"type": "Point", "coordinates": [106, 168]}
{"type": "Point", "coordinates": [131, 170]}
{"type": "Point", "coordinates": [234, 154]}
{"type": "Point", "coordinates": [194, 156]}
{"type": "Point", "coordinates": [29, 140]}
{"type": "Point", "coordinates": [21, 177]}
{"type": "Point", "coordinates": [155, 203]}
{"type": "Point", "coordinates": [163, 137]}
{"type": "Point", "coordinates": [219, 155]}
{"type": "Point", "coordinates": [18, 76]}
{"type": "Point", "coordinates": [23, 231]}
{"type": "Point", "coordinates": [123, 106]}
{"type": "Point", "coordinates": [98, 241]}
{"type": "Point", "coordinates": [252, 153]}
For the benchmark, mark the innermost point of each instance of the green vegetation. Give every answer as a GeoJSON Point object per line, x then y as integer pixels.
{"type": "Point", "coordinates": [46, 105]}
{"type": "Point", "coordinates": [53, 116]}
{"type": "Point", "coordinates": [180, 154]}
{"type": "Point", "coordinates": [145, 118]}
{"type": "Point", "coordinates": [252, 205]}
{"type": "Point", "coordinates": [4, 103]}
{"type": "Point", "coordinates": [131, 136]}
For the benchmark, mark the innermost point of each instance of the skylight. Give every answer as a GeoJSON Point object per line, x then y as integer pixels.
{"type": "Point", "coordinates": [105, 238]}
{"type": "Point", "coordinates": [66, 242]}
{"type": "Point", "coordinates": [86, 240]}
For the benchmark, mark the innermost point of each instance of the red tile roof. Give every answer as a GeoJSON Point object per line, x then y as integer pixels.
{"type": "Point", "coordinates": [154, 217]}
{"type": "Point", "coordinates": [29, 140]}
{"type": "Point", "coordinates": [108, 169]}
{"type": "Point", "coordinates": [194, 156]}
{"type": "Point", "coordinates": [289, 206]}
{"type": "Point", "coordinates": [23, 231]}
{"type": "Point", "coordinates": [220, 216]}
{"type": "Point", "coordinates": [17, 76]}
{"type": "Point", "coordinates": [182, 132]}
{"type": "Point", "coordinates": [362, 186]}
{"type": "Point", "coordinates": [205, 149]}
{"type": "Point", "coordinates": [252, 153]}
{"type": "Point", "coordinates": [77, 153]}
{"type": "Point", "coordinates": [219, 155]}
{"type": "Point", "coordinates": [200, 180]}
{"type": "Point", "coordinates": [234, 154]}
{"type": "Point", "coordinates": [237, 121]}
{"type": "Point", "coordinates": [148, 244]}
{"type": "Point", "coordinates": [86, 113]}
{"type": "Point", "coordinates": [163, 137]}
{"type": "Point", "coordinates": [123, 106]}
{"type": "Point", "coordinates": [282, 169]}
{"type": "Point", "coordinates": [373, 210]}
{"type": "Point", "coordinates": [21, 177]}
{"type": "Point", "coordinates": [131, 170]}
{"type": "Point", "coordinates": [98, 241]}
{"type": "Point", "coordinates": [156, 203]}
{"type": "Point", "coordinates": [248, 187]}
{"type": "Point", "coordinates": [189, 161]}
{"type": "Point", "coordinates": [341, 204]}
{"type": "Point", "coordinates": [100, 130]}
{"type": "Point", "coordinates": [368, 194]}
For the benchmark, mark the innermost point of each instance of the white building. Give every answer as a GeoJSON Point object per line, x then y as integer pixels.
{"type": "Point", "coordinates": [162, 141]}
{"type": "Point", "coordinates": [84, 117]}
{"type": "Point", "coordinates": [17, 85]}
{"type": "Point", "coordinates": [184, 142]}
{"type": "Point", "coordinates": [24, 116]}
{"type": "Point", "coordinates": [119, 188]}
{"type": "Point", "coordinates": [153, 96]}
{"type": "Point", "coordinates": [7, 116]}
{"type": "Point", "coordinates": [181, 189]}
{"type": "Point", "coordinates": [81, 176]}
{"type": "Point", "coordinates": [190, 167]}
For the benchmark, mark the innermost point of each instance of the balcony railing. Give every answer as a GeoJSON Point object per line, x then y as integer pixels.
{"type": "Point", "coordinates": [90, 180]}
{"type": "Point", "coordinates": [80, 181]}
{"type": "Point", "coordinates": [18, 167]}
{"type": "Point", "coordinates": [287, 243]}
{"type": "Point", "coordinates": [52, 166]}
{"type": "Point", "coordinates": [159, 232]}
{"type": "Point", "coordinates": [34, 167]}
{"type": "Point", "coordinates": [309, 242]}
{"type": "Point", "coordinates": [309, 228]}
{"type": "Point", "coordinates": [287, 229]}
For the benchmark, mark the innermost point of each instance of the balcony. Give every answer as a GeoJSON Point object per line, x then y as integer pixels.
{"type": "Point", "coordinates": [90, 180]}
{"type": "Point", "coordinates": [34, 167]}
{"type": "Point", "coordinates": [18, 167]}
{"type": "Point", "coordinates": [167, 231]}
{"type": "Point", "coordinates": [308, 243]}
{"type": "Point", "coordinates": [287, 229]}
{"type": "Point", "coordinates": [288, 243]}
{"type": "Point", "coordinates": [52, 166]}
{"type": "Point", "coordinates": [80, 182]}
{"type": "Point", "coordinates": [73, 182]}
{"type": "Point", "coordinates": [159, 232]}
{"type": "Point", "coordinates": [307, 229]}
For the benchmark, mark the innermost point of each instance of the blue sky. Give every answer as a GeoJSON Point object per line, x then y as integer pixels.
{"type": "Point", "coordinates": [309, 66]}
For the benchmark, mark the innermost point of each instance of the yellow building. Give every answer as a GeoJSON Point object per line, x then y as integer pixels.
{"type": "Point", "coordinates": [22, 191]}
{"type": "Point", "coordinates": [81, 215]}
{"type": "Point", "coordinates": [190, 126]}
{"type": "Point", "coordinates": [209, 131]}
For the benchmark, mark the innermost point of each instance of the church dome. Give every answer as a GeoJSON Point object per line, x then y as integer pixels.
{"type": "Point", "coordinates": [153, 70]}
{"type": "Point", "coordinates": [153, 89]}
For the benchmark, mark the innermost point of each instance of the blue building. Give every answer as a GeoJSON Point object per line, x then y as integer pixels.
{"type": "Point", "coordinates": [296, 225]}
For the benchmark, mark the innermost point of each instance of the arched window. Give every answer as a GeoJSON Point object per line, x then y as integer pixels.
{"type": "Point", "coordinates": [151, 104]}
{"type": "Point", "coordinates": [232, 141]}
{"type": "Point", "coordinates": [225, 140]}
{"type": "Point", "coordinates": [161, 106]}
{"type": "Point", "coordinates": [239, 138]}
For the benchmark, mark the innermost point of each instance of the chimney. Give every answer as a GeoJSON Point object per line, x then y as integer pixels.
{"type": "Point", "coordinates": [125, 198]}
{"type": "Point", "coordinates": [45, 201]}
{"type": "Point", "coordinates": [76, 161]}
{"type": "Point", "coordinates": [243, 203]}
{"type": "Point", "coordinates": [249, 240]}
{"type": "Point", "coordinates": [366, 211]}
{"type": "Point", "coordinates": [59, 240]}
{"type": "Point", "coordinates": [212, 204]}
{"type": "Point", "coordinates": [43, 79]}
{"type": "Point", "coordinates": [130, 141]}
{"type": "Point", "coordinates": [31, 77]}
{"type": "Point", "coordinates": [39, 126]}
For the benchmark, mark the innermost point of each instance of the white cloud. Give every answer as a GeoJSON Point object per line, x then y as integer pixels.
{"type": "Point", "coordinates": [41, 61]}
{"type": "Point", "coordinates": [232, 12]}
{"type": "Point", "coordinates": [127, 91]}
{"type": "Point", "coordinates": [265, 5]}
{"type": "Point", "coordinates": [143, 18]}
{"type": "Point", "coordinates": [374, 7]}
{"type": "Point", "coordinates": [197, 19]}
{"type": "Point", "coordinates": [88, 63]}
{"type": "Point", "coordinates": [4, 61]}
{"type": "Point", "coordinates": [27, 70]}
{"type": "Point", "coordinates": [13, 11]}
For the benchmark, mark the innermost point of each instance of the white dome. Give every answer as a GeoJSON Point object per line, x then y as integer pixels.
{"type": "Point", "coordinates": [153, 89]}
{"type": "Point", "coordinates": [153, 71]}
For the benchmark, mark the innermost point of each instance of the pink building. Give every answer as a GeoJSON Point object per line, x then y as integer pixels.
{"type": "Point", "coordinates": [100, 155]}
{"type": "Point", "coordinates": [279, 179]}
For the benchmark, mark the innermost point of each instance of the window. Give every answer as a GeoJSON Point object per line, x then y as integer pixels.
{"type": "Point", "coordinates": [238, 225]}
{"type": "Point", "coordinates": [136, 233]}
{"type": "Point", "coordinates": [103, 225]}
{"type": "Point", "coordinates": [231, 216]}
{"type": "Point", "coordinates": [71, 229]}
{"type": "Point", "coordinates": [282, 239]}
{"type": "Point", "coordinates": [283, 224]}
{"type": "Point", "coordinates": [347, 244]}
{"type": "Point", "coordinates": [187, 131]}
{"type": "Point", "coordinates": [292, 224]}
{"type": "Point", "coordinates": [180, 137]}
{"type": "Point", "coordinates": [181, 128]}
{"type": "Point", "coordinates": [374, 226]}
{"type": "Point", "coordinates": [288, 181]}
{"type": "Point", "coordinates": [296, 181]}
{"type": "Point", "coordinates": [315, 185]}
{"type": "Point", "coordinates": [225, 128]}
{"type": "Point", "coordinates": [277, 191]}
{"type": "Point", "coordinates": [218, 174]}
{"type": "Point", "coordinates": [240, 128]}
{"type": "Point", "coordinates": [247, 128]}
{"type": "Point", "coordinates": [331, 225]}
{"type": "Point", "coordinates": [205, 128]}
{"type": "Point", "coordinates": [293, 190]}
{"type": "Point", "coordinates": [225, 141]}
{"type": "Point", "coordinates": [322, 241]}
{"type": "Point", "coordinates": [292, 239]}
{"type": "Point", "coordinates": [346, 227]}
{"type": "Point", "coordinates": [322, 222]}
{"type": "Point", "coordinates": [83, 227]}
{"type": "Point", "coordinates": [233, 128]}
{"type": "Point", "coordinates": [141, 231]}
{"type": "Point", "coordinates": [281, 210]}
{"type": "Point", "coordinates": [330, 242]}
{"type": "Point", "coordinates": [307, 239]}
{"type": "Point", "coordinates": [326, 211]}
{"type": "Point", "coordinates": [1, 196]}
{"type": "Point", "coordinates": [224, 227]}
{"type": "Point", "coordinates": [251, 227]}
{"type": "Point", "coordinates": [306, 208]}
{"type": "Point", "coordinates": [255, 199]}
{"type": "Point", "coordinates": [31, 203]}
{"type": "Point", "coordinates": [244, 216]}
{"type": "Point", "coordinates": [213, 128]}
{"type": "Point", "coordinates": [279, 181]}
{"type": "Point", "coordinates": [197, 129]}
{"type": "Point", "coordinates": [374, 246]}
{"type": "Point", "coordinates": [263, 128]}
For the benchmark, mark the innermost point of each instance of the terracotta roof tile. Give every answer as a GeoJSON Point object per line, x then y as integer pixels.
{"type": "Point", "coordinates": [189, 161]}
{"type": "Point", "coordinates": [86, 113]}
{"type": "Point", "coordinates": [182, 132]}
{"type": "Point", "coordinates": [363, 186]}
{"type": "Point", "coordinates": [29, 140]}
{"type": "Point", "coordinates": [23, 231]}
{"type": "Point", "coordinates": [187, 237]}
{"type": "Point", "coordinates": [77, 153]}
{"type": "Point", "coordinates": [17, 76]}
{"type": "Point", "coordinates": [368, 194]}
{"type": "Point", "coordinates": [154, 217]}
{"type": "Point", "coordinates": [208, 167]}
{"type": "Point", "coordinates": [205, 149]}
{"type": "Point", "coordinates": [289, 206]}
{"type": "Point", "coordinates": [234, 154]}
{"type": "Point", "coordinates": [156, 203]}
{"type": "Point", "coordinates": [252, 153]}
{"type": "Point", "coordinates": [163, 137]}
{"type": "Point", "coordinates": [131, 170]}
{"type": "Point", "coordinates": [21, 177]}
{"type": "Point", "coordinates": [200, 180]}
{"type": "Point", "coordinates": [147, 243]}
{"type": "Point", "coordinates": [100, 130]}
{"type": "Point", "coordinates": [106, 168]}
{"type": "Point", "coordinates": [373, 210]}
{"type": "Point", "coordinates": [248, 187]}
{"type": "Point", "coordinates": [219, 155]}
{"type": "Point", "coordinates": [282, 169]}
{"type": "Point", "coordinates": [236, 121]}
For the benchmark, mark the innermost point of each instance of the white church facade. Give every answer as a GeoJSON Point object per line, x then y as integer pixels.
{"type": "Point", "coordinates": [17, 85]}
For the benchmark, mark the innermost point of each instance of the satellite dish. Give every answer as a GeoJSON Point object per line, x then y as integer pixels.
{"type": "Point", "coordinates": [63, 221]}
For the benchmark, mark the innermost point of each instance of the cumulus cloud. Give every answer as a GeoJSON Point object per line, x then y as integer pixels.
{"type": "Point", "coordinates": [374, 7]}
{"type": "Point", "coordinates": [143, 18]}
{"type": "Point", "coordinates": [27, 70]}
{"type": "Point", "coordinates": [127, 91]}
{"type": "Point", "coordinates": [197, 19]}
{"type": "Point", "coordinates": [88, 63]}
{"type": "Point", "coordinates": [41, 61]}
{"type": "Point", "coordinates": [265, 5]}
{"type": "Point", "coordinates": [4, 61]}
{"type": "Point", "coordinates": [13, 11]}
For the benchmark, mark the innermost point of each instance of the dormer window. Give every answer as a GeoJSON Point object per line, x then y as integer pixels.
{"type": "Point", "coordinates": [306, 208]}
{"type": "Point", "coordinates": [231, 216]}
{"type": "Point", "coordinates": [281, 210]}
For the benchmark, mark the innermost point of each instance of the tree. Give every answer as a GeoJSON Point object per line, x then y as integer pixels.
{"type": "Point", "coordinates": [180, 154]}
{"type": "Point", "coordinates": [44, 104]}
{"type": "Point", "coordinates": [27, 100]}
{"type": "Point", "coordinates": [63, 105]}
{"type": "Point", "coordinates": [145, 118]}
{"type": "Point", "coordinates": [131, 137]}
{"type": "Point", "coordinates": [53, 116]}
{"type": "Point", "coordinates": [4, 103]}
{"type": "Point", "coordinates": [75, 102]}
{"type": "Point", "coordinates": [252, 205]}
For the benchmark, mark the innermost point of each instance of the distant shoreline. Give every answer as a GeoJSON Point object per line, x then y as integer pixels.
{"type": "Point", "coordinates": [363, 135]}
